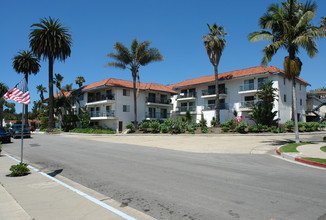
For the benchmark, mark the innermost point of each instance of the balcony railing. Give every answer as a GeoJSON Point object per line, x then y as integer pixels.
{"type": "Point", "coordinates": [186, 108]}
{"type": "Point", "coordinates": [212, 91]}
{"type": "Point", "coordinates": [247, 87]}
{"type": "Point", "coordinates": [223, 106]}
{"type": "Point", "coordinates": [187, 95]}
{"type": "Point", "coordinates": [248, 104]}
{"type": "Point", "coordinates": [159, 115]}
{"type": "Point", "coordinates": [109, 113]}
{"type": "Point", "coordinates": [159, 101]}
{"type": "Point", "coordinates": [101, 98]}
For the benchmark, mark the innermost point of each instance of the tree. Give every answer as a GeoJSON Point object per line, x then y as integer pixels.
{"type": "Point", "coordinates": [3, 90]}
{"type": "Point", "coordinates": [214, 43]}
{"type": "Point", "coordinates": [41, 89]}
{"type": "Point", "coordinates": [79, 81]}
{"type": "Point", "coordinates": [323, 23]}
{"type": "Point", "coordinates": [139, 55]}
{"type": "Point", "coordinates": [27, 64]}
{"type": "Point", "coordinates": [262, 111]}
{"type": "Point", "coordinates": [52, 41]}
{"type": "Point", "coordinates": [288, 25]}
{"type": "Point", "coordinates": [58, 80]}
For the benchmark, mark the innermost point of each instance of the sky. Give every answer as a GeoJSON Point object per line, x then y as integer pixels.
{"type": "Point", "coordinates": [175, 27]}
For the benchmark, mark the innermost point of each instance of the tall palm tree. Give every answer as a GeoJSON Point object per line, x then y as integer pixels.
{"type": "Point", "coordinates": [79, 81]}
{"type": "Point", "coordinates": [214, 43]}
{"type": "Point", "coordinates": [3, 90]}
{"type": "Point", "coordinates": [139, 55]}
{"type": "Point", "coordinates": [27, 64]}
{"type": "Point", "coordinates": [58, 80]}
{"type": "Point", "coordinates": [41, 89]}
{"type": "Point", "coordinates": [289, 26]}
{"type": "Point", "coordinates": [51, 40]}
{"type": "Point", "coordinates": [323, 23]}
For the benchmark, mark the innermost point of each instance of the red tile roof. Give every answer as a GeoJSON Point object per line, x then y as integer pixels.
{"type": "Point", "coordinates": [128, 84]}
{"type": "Point", "coordinates": [230, 75]}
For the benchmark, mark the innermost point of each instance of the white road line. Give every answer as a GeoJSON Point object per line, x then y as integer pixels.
{"type": "Point", "coordinates": [104, 205]}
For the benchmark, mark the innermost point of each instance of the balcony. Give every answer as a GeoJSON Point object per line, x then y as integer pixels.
{"type": "Point", "coordinates": [187, 96]}
{"type": "Point", "coordinates": [184, 109]}
{"type": "Point", "coordinates": [208, 93]}
{"type": "Point", "coordinates": [151, 101]}
{"type": "Point", "coordinates": [247, 105]}
{"type": "Point", "coordinates": [102, 98]}
{"type": "Point", "coordinates": [247, 88]}
{"type": "Point", "coordinates": [102, 114]}
{"type": "Point", "coordinates": [157, 115]}
{"type": "Point", "coordinates": [223, 106]}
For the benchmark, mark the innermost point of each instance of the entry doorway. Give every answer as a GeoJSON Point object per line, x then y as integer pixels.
{"type": "Point", "coordinates": [120, 126]}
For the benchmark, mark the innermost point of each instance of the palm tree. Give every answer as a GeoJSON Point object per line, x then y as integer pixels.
{"type": "Point", "coordinates": [41, 89]}
{"type": "Point", "coordinates": [288, 25]}
{"type": "Point", "coordinates": [27, 64]}
{"type": "Point", "coordinates": [139, 55]}
{"type": "Point", "coordinates": [214, 43]}
{"type": "Point", "coordinates": [58, 80]}
{"type": "Point", "coordinates": [3, 90]}
{"type": "Point", "coordinates": [51, 40]}
{"type": "Point", "coordinates": [79, 81]}
{"type": "Point", "coordinates": [323, 23]}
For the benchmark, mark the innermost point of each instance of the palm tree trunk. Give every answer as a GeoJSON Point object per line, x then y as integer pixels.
{"type": "Point", "coordinates": [26, 106]}
{"type": "Point", "coordinates": [51, 104]}
{"type": "Point", "coordinates": [135, 100]}
{"type": "Point", "coordinates": [296, 128]}
{"type": "Point", "coordinates": [217, 98]}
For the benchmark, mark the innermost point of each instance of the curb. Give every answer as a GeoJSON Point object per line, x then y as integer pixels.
{"type": "Point", "coordinates": [298, 159]}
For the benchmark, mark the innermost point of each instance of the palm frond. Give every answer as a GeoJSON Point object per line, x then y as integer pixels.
{"type": "Point", "coordinates": [116, 65]}
{"type": "Point", "coordinates": [260, 35]}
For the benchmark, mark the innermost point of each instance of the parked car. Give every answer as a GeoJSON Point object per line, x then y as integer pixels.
{"type": "Point", "coordinates": [15, 131]}
{"type": "Point", "coordinates": [4, 136]}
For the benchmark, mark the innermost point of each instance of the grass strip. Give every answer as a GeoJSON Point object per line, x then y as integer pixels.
{"type": "Point", "coordinates": [319, 160]}
{"type": "Point", "coordinates": [323, 148]}
{"type": "Point", "coordinates": [291, 147]}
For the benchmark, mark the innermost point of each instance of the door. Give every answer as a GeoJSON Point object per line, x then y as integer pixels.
{"type": "Point", "coordinates": [120, 126]}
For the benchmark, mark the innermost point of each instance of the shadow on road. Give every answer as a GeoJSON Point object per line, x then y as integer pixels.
{"type": "Point", "coordinates": [56, 172]}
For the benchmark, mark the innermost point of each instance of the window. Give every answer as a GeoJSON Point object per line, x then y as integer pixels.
{"type": "Point", "coordinates": [300, 101]}
{"type": "Point", "coordinates": [300, 87]}
{"type": "Point", "coordinates": [126, 108]}
{"type": "Point", "coordinates": [249, 84]}
{"type": "Point", "coordinates": [152, 112]}
{"type": "Point", "coordinates": [249, 98]}
{"type": "Point", "coordinates": [126, 92]}
{"type": "Point", "coordinates": [284, 80]}
{"type": "Point", "coordinates": [261, 81]}
{"type": "Point", "coordinates": [211, 102]}
{"type": "Point", "coordinates": [284, 98]}
{"type": "Point", "coordinates": [151, 97]}
{"type": "Point", "coordinates": [81, 97]}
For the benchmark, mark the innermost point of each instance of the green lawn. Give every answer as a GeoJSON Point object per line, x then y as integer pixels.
{"type": "Point", "coordinates": [291, 147]}
{"type": "Point", "coordinates": [319, 160]}
{"type": "Point", "coordinates": [323, 148]}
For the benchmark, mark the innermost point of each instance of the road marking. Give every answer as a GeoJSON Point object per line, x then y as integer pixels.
{"type": "Point", "coordinates": [296, 162]}
{"type": "Point", "coordinates": [98, 202]}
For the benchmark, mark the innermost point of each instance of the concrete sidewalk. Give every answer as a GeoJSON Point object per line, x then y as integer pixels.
{"type": "Point", "coordinates": [36, 196]}
{"type": "Point", "coordinates": [307, 150]}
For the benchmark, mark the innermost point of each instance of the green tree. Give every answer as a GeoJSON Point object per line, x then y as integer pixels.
{"type": "Point", "coordinates": [79, 81]}
{"type": "Point", "coordinates": [41, 89]}
{"type": "Point", "coordinates": [262, 111]}
{"type": "Point", "coordinates": [289, 26]}
{"type": "Point", "coordinates": [214, 43]}
{"type": "Point", "coordinates": [3, 90]}
{"type": "Point", "coordinates": [26, 64]}
{"type": "Point", "coordinates": [84, 117]}
{"type": "Point", "coordinates": [52, 41]}
{"type": "Point", "coordinates": [139, 55]}
{"type": "Point", "coordinates": [58, 80]}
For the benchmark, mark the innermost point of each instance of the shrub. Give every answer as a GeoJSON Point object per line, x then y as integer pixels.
{"type": "Point", "coordinates": [225, 129]}
{"type": "Point", "coordinates": [250, 128]}
{"type": "Point", "coordinates": [130, 126]}
{"type": "Point", "coordinates": [92, 131]}
{"type": "Point", "coordinates": [164, 128]}
{"type": "Point", "coordinates": [191, 131]}
{"type": "Point", "coordinates": [44, 123]}
{"type": "Point", "coordinates": [265, 127]}
{"type": "Point", "coordinates": [302, 128]}
{"type": "Point", "coordinates": [204, 129]}
{"type": "Point", "coordinates": [144, 126]}
{"type": "Point", "coordinates": [0, 147]}
{"type": "Point", "coordinates": [274, 130]}
{"type": "Point", "coordinates": [203, 122]}
{"type": "Point", "coordinates": [19, 170]}
{"type": "Point", "coordinates": [260, 127]}
{"type": "Point", "coordinates": [289, 125]}
{"type": "Point", "coordinates": [308, 126]}
{"type": "Point", "coordinates": [322, 126]}
{"type": "Point", "coordinates": [155, 126]}
{"type": "Point", "coordinates": [213, 122]}
{"type": "Point", "coordinates": [241, 127]}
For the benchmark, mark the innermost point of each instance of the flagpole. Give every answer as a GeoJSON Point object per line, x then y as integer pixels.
{"type": "Point", "coordinates": [22, 137]}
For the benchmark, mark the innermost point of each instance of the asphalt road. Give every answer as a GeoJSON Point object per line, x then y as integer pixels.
{"type": "Point", "coordinates": [168, 184]}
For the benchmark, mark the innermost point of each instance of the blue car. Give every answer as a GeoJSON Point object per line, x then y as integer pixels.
{"type": "Point", "coordinates": [4, 136]}
{"type": "Point", "coordinates": [16, 130]}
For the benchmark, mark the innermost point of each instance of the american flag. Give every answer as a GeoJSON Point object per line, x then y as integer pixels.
{"type": "Point", "coordinates": [19, 93]}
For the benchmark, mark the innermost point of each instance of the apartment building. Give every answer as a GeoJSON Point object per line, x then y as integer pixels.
{"type": "Point", "coordinates": [237, 91]}
{"type": "Point", "coordinates": [316, 106]}
{"type": "Point", "coordinates": [110, 102]}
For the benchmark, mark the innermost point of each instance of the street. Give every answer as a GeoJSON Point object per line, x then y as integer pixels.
{"type": "Point", "coordinates": [171, 184]}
